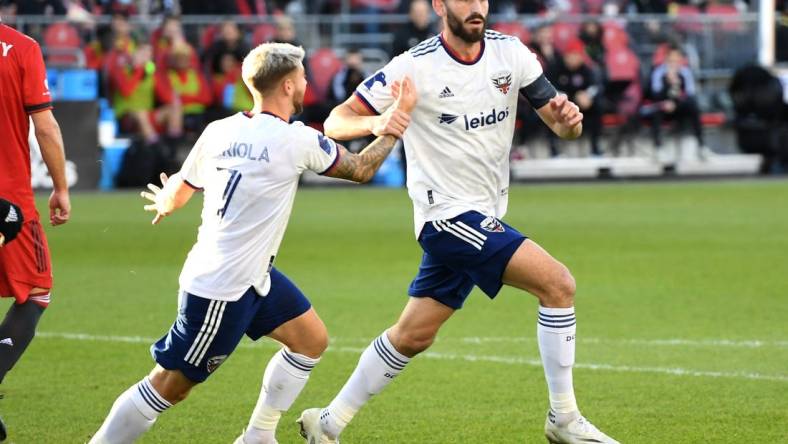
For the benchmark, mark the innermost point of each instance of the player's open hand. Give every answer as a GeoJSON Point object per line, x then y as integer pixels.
{"type": "Point", "coordinates": [565, 112]}
{"type": "Point", "coordinates": [161, 203]}
{"type": "Point", "coordinates": [59, 207]}
{"type": "Point", "coordinates": [2, 240]}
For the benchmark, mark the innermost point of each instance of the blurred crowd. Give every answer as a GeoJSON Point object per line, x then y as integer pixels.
{"type": "Point", "coordinates": [164, 82]}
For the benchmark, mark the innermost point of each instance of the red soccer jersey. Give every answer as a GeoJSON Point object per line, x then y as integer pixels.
{"type": "Point", "coordinates": [23, 91]}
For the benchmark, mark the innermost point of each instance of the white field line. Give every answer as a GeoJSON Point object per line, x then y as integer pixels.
{"type": "Point", "coordinates": [749, 343]}
{"type": "Point", "coordinates": [511, 360]}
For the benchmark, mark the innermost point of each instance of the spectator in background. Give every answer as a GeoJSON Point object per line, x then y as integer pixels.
{"type": "Point", "coordinates": [591, 36]}
{"type": "Point", "coordinates": [231, 43]}
{"type": "Point", "coordinates": [418, 29]}
{"type": "Point", "coordinates": [168, 36]}
{"type": "Point", "coordinates": [544, 47]}
{"type": "Point", "coordinates": [551, 60]}
{"type": "Point", "coordinates": [373, 7]}
{"type": "Point", "coordinates": [674, 93]}
{"type": "Point", "coordinates": [285, 31]}
{"type": "Point", "coordinates": [133, 99]}
{"type": "Point", "coordinates": [122, 45]}
{"type": "Point", "coordinates": [348, 78]}
{"type": "Point", "coordinates": [183, 85]}
{"type": "Point", "coordinates": [230, 94]}
{"type": "Point", "coordinates": [582, 85]}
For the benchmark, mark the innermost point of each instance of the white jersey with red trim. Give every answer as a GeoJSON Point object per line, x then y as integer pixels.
{"type": "Point", "coordinates": [248, 166]}
{"type": "Point", "coordinates": [458, 142]}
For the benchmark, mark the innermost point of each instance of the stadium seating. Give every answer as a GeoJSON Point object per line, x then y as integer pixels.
{"type": "Point", "coordinates": [516, 29]}
{"type": "Point", "coordinates": [323, 65]}
{"type": "Point", "coordinates": [263, 33]}
{"type": "Point", "coordinates": [62, 44]}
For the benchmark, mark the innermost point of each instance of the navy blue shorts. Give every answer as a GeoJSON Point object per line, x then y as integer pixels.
{"type": "Point", "coordinates": [207, 331]}
{"type": "Point", "coordinates": [467, 250]}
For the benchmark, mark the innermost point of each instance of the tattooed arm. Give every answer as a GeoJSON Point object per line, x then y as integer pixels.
{"type": "Point", "coordinates": [362, 166]}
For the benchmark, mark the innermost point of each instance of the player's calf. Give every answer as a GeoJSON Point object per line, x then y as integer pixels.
{"type": "Point", "coordinates": [17, 331]}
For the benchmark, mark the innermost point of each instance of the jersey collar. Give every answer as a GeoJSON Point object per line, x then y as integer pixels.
{"type": "Point", "coordinates": [249, 114]}
{"type": "Point", "coordinates": [456, 56]}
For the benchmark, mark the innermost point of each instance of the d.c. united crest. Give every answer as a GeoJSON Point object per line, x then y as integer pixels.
{"type": "Point", "coordinates": [502, 81]}
{"type": "Point", "coordinates": [215, 362]}
{"type": "Point", "coordinates": [492, 225]}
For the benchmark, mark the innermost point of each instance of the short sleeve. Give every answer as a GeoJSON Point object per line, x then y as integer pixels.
{"type": "Point", "coordinates": [191, 170]}
{"type": "Point", "coordinates": [34, 82]}
{"type": "Point", "coordinates": [529, 67]}
{"type": "Point", "coordinates": [375, 92]}
{"type": "Point", "coordinates": [317, 152]}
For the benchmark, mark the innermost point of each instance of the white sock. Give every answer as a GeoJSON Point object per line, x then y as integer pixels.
{"type": "Point", "coordinates": [378, 366]}
{"type": "Point", "coordinates": [285, 376]}
{"type": "Point", "coordinates": [555, 330]}
{"type": "Point", "coordinates": [132, 414]}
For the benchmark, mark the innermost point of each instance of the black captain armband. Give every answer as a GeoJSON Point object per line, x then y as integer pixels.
{"type": "Point", "coordinates": [10, 220]}
{"type": "Point", "coordinates": [539, 92]}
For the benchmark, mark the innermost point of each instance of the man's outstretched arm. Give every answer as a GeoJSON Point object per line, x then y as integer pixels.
{"type": "Point", "coordinates": [174, 194]}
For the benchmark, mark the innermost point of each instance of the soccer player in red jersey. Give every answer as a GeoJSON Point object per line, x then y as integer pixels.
{"type": "Point", "coordinates": [25, 268]}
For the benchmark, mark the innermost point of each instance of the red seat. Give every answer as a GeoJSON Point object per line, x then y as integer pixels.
{"type": "Point", "coordinates": [622, 65]}
{"type": "Point", "coordinates": [208, 35]}
{"type": "Point", "coordinates": [614, 35]}
{"type": "Point", "coordinates": [263, 33]}
{"type": "Point", "coordinates": [727, 12]}
{"type": "Point", "coordinates": [323, 65]}
{"type": "Point", "coordinates": [563, 33]}
{"type": "Point", "coordinates": [687, 18]}
{"type": "Point", "coordinates": [515, 29]}
{"type": "Point", "coordinates": [62, 43]}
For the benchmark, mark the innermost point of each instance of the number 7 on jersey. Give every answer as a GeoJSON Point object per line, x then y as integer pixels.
{"type": "Point", "coordinates": [229, 189]}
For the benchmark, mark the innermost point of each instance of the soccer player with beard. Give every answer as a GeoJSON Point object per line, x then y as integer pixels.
{"type": "Point", "coordinates": [248, 166]}
{"type": "Point", "coordinates": [457, 147]}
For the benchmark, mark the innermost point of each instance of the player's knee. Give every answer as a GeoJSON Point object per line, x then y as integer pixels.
{"type": "Point", "coordinates": [315, 346]}
{"type": "Point", "coordinates": [411, 343]}
{"type": "Point", "coordinates": [561, 290]}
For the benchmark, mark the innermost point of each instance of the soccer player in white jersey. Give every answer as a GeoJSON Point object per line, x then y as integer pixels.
{"type": "Point", "coordinates": [248, 166]}
{"type": "Point", "coordinates": [457, 146]}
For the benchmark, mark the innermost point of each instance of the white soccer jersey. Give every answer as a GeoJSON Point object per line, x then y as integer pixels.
{"type": "Point", "coordinates": [248, 166]}
{"type": "Point", "coordinates": [460, 135]}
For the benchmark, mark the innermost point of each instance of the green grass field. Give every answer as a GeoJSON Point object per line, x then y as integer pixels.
{"type": "Point", "coordinates": [682, 319]}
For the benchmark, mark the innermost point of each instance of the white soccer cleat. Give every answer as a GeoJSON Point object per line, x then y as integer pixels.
{"type": "Point", "coordinates": [576, 431]}
{"type": "Point", "coordinates": [311, 429]}
{"type": "Point", "coordinates": [240, 440]}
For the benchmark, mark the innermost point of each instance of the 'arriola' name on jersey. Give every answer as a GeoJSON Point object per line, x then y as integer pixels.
{"type": "Point", "coordinates": [246, 151]}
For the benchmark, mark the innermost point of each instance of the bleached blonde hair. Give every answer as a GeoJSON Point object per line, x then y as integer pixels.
{"type": "Point", "coordinates": [268, 63]}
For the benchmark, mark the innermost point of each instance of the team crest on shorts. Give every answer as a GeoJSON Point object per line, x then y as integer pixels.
{"type": "Point", "coordinates": [503, 81]}
{"type": "Point", "coordinates": [215, 362]}
{"type": "Point", "coordinates": [492, 225]}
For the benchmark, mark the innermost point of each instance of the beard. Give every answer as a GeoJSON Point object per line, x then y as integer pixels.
{"type": "Point", "coordinates": [456, 25]}
{"type": "Point", "coordinates": [298, 104]}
